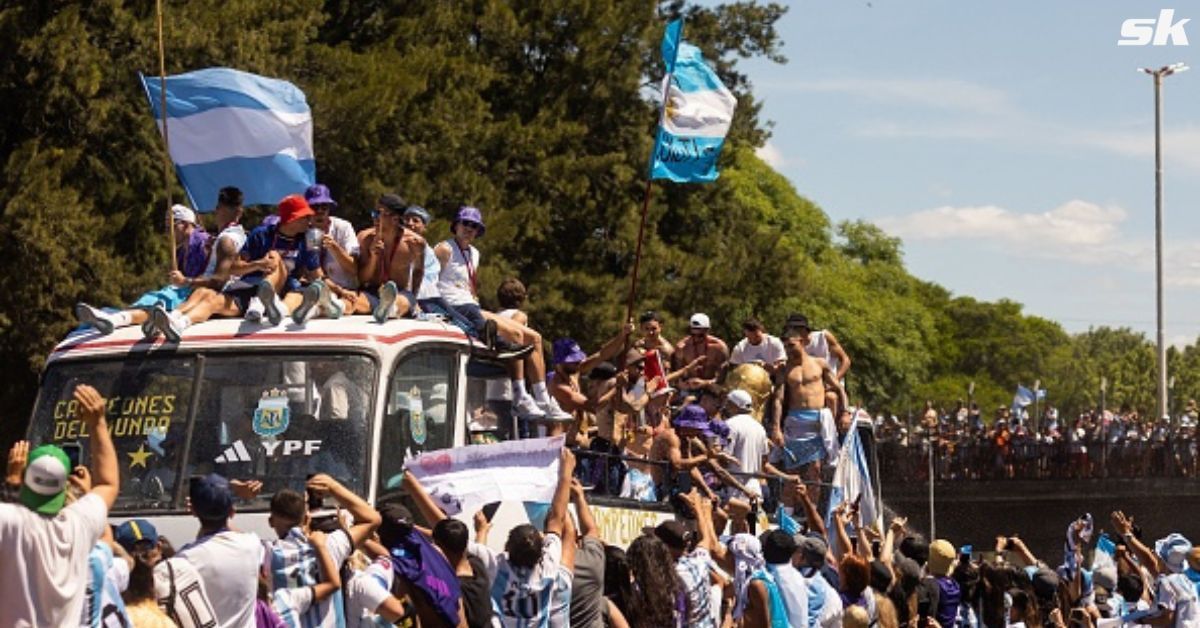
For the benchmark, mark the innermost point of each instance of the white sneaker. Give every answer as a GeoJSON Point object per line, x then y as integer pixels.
{"type": "Point", "coordinates": [99, 320]}
{"type": "Point", "coordinates": [387, 302]}
{"type": "Point", "coordinates": [331, 306]}
{"type": "Point", "coordinates": [527, 408]}
{"type": "Point", "coordinates": [169, 327]}
{"type": "Point", "coordinates": [554, 412]}
{"type": "Point", "coordinates": [314, 293]}
{"type": "Point", "coordinates": [254, 311]}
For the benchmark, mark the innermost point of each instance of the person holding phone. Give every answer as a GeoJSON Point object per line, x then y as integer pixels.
{"type": "Point", "coordinates": [47, 543]}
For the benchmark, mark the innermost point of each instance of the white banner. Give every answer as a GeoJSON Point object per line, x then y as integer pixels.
{"type": "Point", "coordinates": [467, 478]}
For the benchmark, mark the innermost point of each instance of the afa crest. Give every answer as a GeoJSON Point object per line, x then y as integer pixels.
{"type": "Point", "coordinates": [272, 416]}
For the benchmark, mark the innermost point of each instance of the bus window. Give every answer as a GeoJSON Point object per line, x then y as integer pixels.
{"type": "Point", "coordinates": [420, 410]}
{"type": "Point", "coordinates": [489, 403]}
{"type": "Point", "coordinates": [148, 400]}
{"type": "Point", "coordinates": [281, 418]}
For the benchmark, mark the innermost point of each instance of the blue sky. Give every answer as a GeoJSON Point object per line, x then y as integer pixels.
{"type": "Point", "coordinates": [1010, 144]}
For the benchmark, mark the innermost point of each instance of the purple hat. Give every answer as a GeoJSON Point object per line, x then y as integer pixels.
{"type": "Point", "coordinates": [567, 351]}
{"type": "Point", "coordinates": [318, 194]}
{"type": "Point", "coordinates": [469, 214]}
{"type": "Point", "coordinates": [717, 428]}
{"type": "Point", "coordinates": [692, 416]}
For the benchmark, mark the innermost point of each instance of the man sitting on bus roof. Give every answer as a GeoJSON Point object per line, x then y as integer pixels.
{"type": "Point", "coordinates": [389, 254]}
{"type": "Point", "coordinates": [192, 255]}
{"type": "Point", "coordinates": [337, 293]}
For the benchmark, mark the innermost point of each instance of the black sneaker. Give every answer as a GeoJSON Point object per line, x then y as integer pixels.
{"type": "Point", "coordinates": [506, 350]}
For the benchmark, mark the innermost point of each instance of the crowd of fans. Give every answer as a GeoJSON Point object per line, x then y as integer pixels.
{"type": "Point", "coordinates": [358, 565]}
{"type": "Point", "coordinates": [1093, 445]}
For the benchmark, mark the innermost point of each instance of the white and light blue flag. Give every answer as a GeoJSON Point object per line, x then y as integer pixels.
{"type": "Point", "coordinates": [228, 127]}
{"type": "Point", "coordinates": [696, 114]}
{"type": "Point", "coordinates": [852, 483]}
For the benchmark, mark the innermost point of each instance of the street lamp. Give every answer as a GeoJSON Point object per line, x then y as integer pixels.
{"type": "Point", "coordinates": [1159, 74]}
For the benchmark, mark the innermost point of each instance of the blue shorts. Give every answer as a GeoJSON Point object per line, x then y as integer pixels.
{"type": "Point", "coordinates": [170, 297]}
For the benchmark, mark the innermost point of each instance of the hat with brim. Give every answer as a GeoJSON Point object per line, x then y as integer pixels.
{"type": "Point", "coordinates": [292, 208]}
{"type": "Point", "coordinates": [469, 214]}
{"type": "Point", "coordinates": [691, 417]}
{"type": "Point", "coordinates": [44, 487]}
{"type": "Point", "coordinates": [567, 351]}
{"type": "Point", "coordinates": [183, 213]}
{"type": "Point", "coordinates": [392, 203]}
{"type": "Point", "coordinates": [318, 194]}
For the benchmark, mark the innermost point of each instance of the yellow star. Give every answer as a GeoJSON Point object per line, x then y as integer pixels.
{"type": "Point", "coordinates": [138, 458]}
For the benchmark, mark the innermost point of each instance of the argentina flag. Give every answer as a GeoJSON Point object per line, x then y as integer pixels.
{"type": "Point", "coordinates": [852, 483]}
{"type": "Point", "coordinates": [227, 127]}
{"type": "Point", "coordinates": [696, 114]}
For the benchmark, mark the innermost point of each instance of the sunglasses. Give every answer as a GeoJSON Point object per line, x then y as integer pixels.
{"type": "Point", "coordinates": [472, 225]}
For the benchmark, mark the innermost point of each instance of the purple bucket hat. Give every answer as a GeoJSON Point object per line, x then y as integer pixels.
{"type": "Point", "coordinates": [567, 351]}
{"type": "Point", "coordinates": [469, 214]}
{"type": "Point", "coordinates": [318, 194]}
{"type": "Point", "coordinates": [693, 417]}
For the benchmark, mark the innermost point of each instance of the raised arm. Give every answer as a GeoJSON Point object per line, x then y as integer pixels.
{"type": "Point", "coordinates": [609, 350]}
{"type": "Point", "coordinates": [425, 504]}
{"type": "Point", "coordinates": [331, 576]}
{"type": "Point", "coordinates": [106, 475]}
{"type": "Point", "coordinates": [1124, 527]}
{"type": "Point", "coordinates": [812, 518]}
{"type": "Point", "coordinates": [366, 518]}
{"type": "Point", "coordinates": [555, 517]}
{"type": "Point", "coordinates": [587, 524]}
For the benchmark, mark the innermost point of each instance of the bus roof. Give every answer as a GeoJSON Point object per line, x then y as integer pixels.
{"type": "Point", "coordinates": [228, 333]}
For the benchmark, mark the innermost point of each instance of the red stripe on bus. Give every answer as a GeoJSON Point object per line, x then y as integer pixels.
{"type": "Point", "coordinates": [457, 335]}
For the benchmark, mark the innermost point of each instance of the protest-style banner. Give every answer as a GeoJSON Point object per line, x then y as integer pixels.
{"type": "Point", "coordinates": [467, 478]}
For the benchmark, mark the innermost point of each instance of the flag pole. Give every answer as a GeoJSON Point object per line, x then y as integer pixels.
{"type": "Point", "coordinates": [637, 256]}
{"type": "Point", "coordinates": [162, 88]}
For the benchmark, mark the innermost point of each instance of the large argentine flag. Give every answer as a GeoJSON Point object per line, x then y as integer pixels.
{"type": "Point", "coordinates": [697, 111]}
{"type": "Point", "coordinates": [851, 483]}
{"type": "Point", "coordinates": [228, 127]}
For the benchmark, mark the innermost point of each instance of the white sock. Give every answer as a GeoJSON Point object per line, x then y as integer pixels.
{"type": "Point", "coordinates": [121, 319]}
{"type": "Point", "coordinates": [540, 393]}
{"type": "Point", "coordinates": [184, 321]}
{"type": "Point", "coordinates": [519, 389]}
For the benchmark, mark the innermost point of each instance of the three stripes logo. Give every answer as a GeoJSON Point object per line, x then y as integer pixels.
{"type": "Point", "coordinates": [235, 453]}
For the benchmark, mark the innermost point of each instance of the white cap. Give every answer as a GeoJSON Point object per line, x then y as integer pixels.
{"type": "Point", "coordinates": [181, 212]}
{"type": "Point", "coordinates": [740, 399]}
{"type": "Point", "coordinates": [699, 321]}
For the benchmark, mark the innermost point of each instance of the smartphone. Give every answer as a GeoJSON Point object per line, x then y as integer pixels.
{"type": "Point", "coordinates": [315, 502]}
{"type": "Point", "coordinates": [964, 553]}
{"type": "Point", "coordinates": [74, 453]}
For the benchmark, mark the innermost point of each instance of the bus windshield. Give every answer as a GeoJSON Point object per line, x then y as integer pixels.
{"type": "Point", "coordinates": [277, 418]}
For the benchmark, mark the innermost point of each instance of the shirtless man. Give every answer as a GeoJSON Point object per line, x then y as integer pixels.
{"type": "Point", "coordinates": [680, 444]}
{"type": "Point", "coordinates": [570, 362]}
{"type": "Point", "coordinates": [823, 344]}
{"type": "Point", "coordinates": [807, 434]}
{"type": "Point", "coordinates": [386, 259]}
{"type": "Point", "coordinates": [699, 344]}
{"type": "Point", "coordinates": [650, 324]}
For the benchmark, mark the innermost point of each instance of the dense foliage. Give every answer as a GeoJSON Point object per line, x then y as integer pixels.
{"type": "Point", "coordinates": [540, 112]}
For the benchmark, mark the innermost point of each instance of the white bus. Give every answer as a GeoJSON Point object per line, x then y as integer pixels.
{"type": "Point", "coordinates": [349, 397]}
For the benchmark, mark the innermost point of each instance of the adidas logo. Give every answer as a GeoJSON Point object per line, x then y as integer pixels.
{"type": "Point", "coordinates": [236, 453]}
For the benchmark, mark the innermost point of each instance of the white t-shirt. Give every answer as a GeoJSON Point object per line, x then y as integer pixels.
{"type": "Point", "coordinates": [365, 591]}
{"type": "Point", "coordinates": [190, 607]}
{"type": "Point", "coordinates": [107, 578]}
{"type": "Point", "coordinates": [46, 561]}
{"type": "Point", "coordinates": [769, 351]}
{"type": "Point", "coordinates": [540, 598]}
{"type": "Point", "coordinates": [747, 442]}
{"type": "Point", "coordinates": [343, 233]}
{"type": "Point", "coordinates": [1175, 592]}
{"type": "Point", "coordinates": [794, 590]}
{"type": "Point", "coordinates": [293, 564]}
{"type": "Point", "coordinates": [228, 563]}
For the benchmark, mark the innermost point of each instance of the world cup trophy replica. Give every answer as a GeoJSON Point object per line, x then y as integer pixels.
{"type": "Point", "coordinates": [755, 380]}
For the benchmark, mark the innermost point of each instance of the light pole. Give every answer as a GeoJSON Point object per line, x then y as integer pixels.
{"type": "Point", "coordinates": [1159, 74]}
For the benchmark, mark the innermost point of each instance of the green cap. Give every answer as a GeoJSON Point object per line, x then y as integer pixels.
{"type": "Point", "coordinates": [44, 488]}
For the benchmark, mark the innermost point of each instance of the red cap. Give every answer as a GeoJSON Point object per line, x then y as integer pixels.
{"type": "Point", "coordinates": [293, 207]}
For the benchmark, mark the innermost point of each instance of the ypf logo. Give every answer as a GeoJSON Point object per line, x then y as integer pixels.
{"type": "Point", "coordinates": [1154, 31]}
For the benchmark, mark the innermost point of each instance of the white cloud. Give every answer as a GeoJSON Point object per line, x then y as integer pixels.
{"type": "Point", "coordinates": [770, 153]}
{"type": "Point", "coordinates": [935, 93]}
{"type": "Point", "coordinates": [1075, 223]}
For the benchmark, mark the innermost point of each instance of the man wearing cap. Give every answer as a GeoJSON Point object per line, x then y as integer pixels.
{"type": "Point", "coordinates": [337, 293]}
{"type": "Point", "coordinates": [805, 429]}
{"type": "Point", "coordinates": [747, 437]}
{"type": "Point", "coordinates": [388, 257]}
{"type": "Point", "coordinates": [228, 561]}
{"type": "Point", "coordinates": [45, 545]}
{"type": "Point", "coordinates": [224, 266]}
{"type": "Point", "coordinates": [176, 582]}
{"type": "Point", "coordinates": [192, 244]}
{"type": "Point", "coordinates": [700, 344]}
{"type": "Point", "coordinates": [758, 347]}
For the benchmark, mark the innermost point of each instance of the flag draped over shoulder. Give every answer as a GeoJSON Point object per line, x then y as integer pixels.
{"type": "Point", "coordinates": [697, 111]}
{"type": "Point", "coordinates": [852, 483]}
{"type": "Point", "coordinates": [228, 127]}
